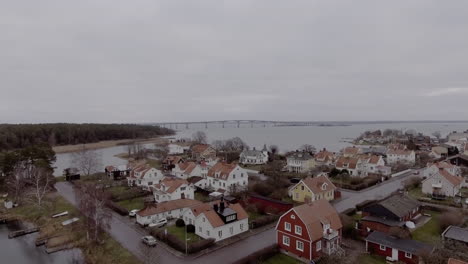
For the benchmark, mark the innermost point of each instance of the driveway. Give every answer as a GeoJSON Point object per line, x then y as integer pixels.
{"type": "Point", "coordinates": [129, 236]}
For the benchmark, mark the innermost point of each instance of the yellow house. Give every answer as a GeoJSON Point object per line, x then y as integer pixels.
{"type": "Point", "coordinates": [313, 189]}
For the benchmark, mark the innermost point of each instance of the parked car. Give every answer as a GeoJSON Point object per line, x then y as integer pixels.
{"type": "Point", "coordinates": [149, 241]}
{"type": "Point", "coordinates": [416, 172]}
{"type": "Point", "coordinates": [133, 212]}
{"type": "Point", "coordinates": [159, 223]}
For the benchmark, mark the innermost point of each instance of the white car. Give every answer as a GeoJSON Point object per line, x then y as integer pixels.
{"type": "Point", "coordinates": [158, 223]}
{"type": "Point", "coordinates": [149, 241]}
{"type": "Point", "coordinates": [133, 212]}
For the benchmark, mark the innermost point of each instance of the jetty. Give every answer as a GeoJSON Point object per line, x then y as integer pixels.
{"type": "Point", "coordinates": [23, 232]}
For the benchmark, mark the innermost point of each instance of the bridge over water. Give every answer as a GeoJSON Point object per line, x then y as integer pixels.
{"type": "Point", "coordinates": [245, 123]}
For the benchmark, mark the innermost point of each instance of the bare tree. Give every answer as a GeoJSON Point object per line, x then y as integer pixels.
{"type": "Point", "coordinates": [199, 137]}
{"type": "Point", "coordinates": [16, 183]}
{"type": "Point", "coordinates": [437, 134]}
{"type": "Point", "coordinates": [308, 148]}
{"type": "Point", "coordinates": [87, 161]}
{"type": "Point", "coordinates": [92, 201]}
{"type": "Point", "coordinates": [274, 150]}
{"type": "Point", "coordinates": [41, 180]}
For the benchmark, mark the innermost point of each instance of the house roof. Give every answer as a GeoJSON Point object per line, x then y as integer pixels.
{"type": "Point", "coordinates": [456, 261]}
{"type": "Point", "coordinates": [187, 167]}
{"type": "Point", "coordinates": [351, 150]}
{"type": "Point", "coordinates": [167, 206]}
{"type": "Point", "coordinates": [381, 220]}
{"type": "Point", "coordinates": [456, 233]}
{"type": "Point", "coordinates": [170, 184]}
{"type": "Point", "coordinates": [400, 205]}
{"type": "Point", "coordinates": [399, 152]}
{"type": "Point", "coordinates": [194, 179]}
{"type": "Point", "coordinates": [252, 153]}
{"type": "Point", "coordinates": [213, 217]}
{"type": "Point", "coordinates": [324, 155]}
{"type": "Point", "coordinates": [444, 165]}
{"type": "Point", "coordinates": [347, 162]}
{"type": "Point", "coordinates": [406, 245]}
{"type": "Point", "coordinates": [221, 170]}
{"type": "Point", "coordinates": [317, 213]}
{"type": "Point", "coordinates": [455, 180]}
{"type": "Point", "coordinates": [319, 184]}
{"type": "Point", "coordinates": [374, 159]}
{"type": "Point", "coordinates": [199, 148]}
{"type": "Point", "coordinates": [300, 156]}
{"type": "Point", "coordinates": [172, 159]}
{"type": "Point", "coordinates": [142, 169]}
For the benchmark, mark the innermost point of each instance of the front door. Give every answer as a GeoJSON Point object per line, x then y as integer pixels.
{"type": "Point", "coordinates": [182, 195]}
{"type": "Point", "coordinates": [394, 254]}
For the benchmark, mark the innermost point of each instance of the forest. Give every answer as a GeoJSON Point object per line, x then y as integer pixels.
{"type": "Point", "coordinates": [16, 136]}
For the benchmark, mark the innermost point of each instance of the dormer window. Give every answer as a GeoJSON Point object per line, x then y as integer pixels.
{"type": "Point", "coordinates": [324, 186]}
{"type": "Point", "coordinates": [293, 216]}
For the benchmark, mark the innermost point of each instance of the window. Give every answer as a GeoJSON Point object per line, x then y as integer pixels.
{"type": "Point", "coordinates": [220, 233]}
{"type": "Point", "coordinates": [150, 183]}
{"type": "Point", "coordinates": [241, 226]}
{"type": "Point", "coordinates": [199, 229]}
{"type": "Point", "coordinates": [297, 196]}
{"type": "Point", "coordinates": [285, 240]}
{"type": "Point", "coordinates": [231, 230]}
{"type": "Point", "coordinates": [293, 216]}
{"type": "Point", "coordinates": [382, 247]}
{"type": "Point", "coordinates": [208, 232]}
{"type": "Point", "coordinates": [242, 175]}
{"type": "Point", "coordinates": [319, 245]}
{"type": "Point", "coordinates": [408, 255]}
{"type": "Point", "coordinates": [298, 230]}
{"type": "Point", "coordinates": [203, 219]}
{"type": "Point", "coordinates": [287, 226]}
{"type": "Point", "coordinates": [182, 188]}
{"type": "Point", "coordinates": [299, 246]}
{"type": "Point", "coordinates": [302, 187]}
{"type": "Point", "coordinates": [233, 176]}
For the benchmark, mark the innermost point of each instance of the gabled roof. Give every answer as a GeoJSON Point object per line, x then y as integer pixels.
{"type": "Point", "coordinates": [199, 148]}
{"type": "Point", "coordinates": [374, 159]}
{"type": "Point", "coordinates": [407, 245]}
{"type": "Point", "coordinates": [167, 206]}
{"type": "Point", "coordinates": [443, 165]}
{"type": "Point", "coordinates": [315, 215]}
{"type": "Point", "coordinates": [454, 180]}
{"type": "Point", "coordinates": [456, 233]}
{"type": "Point", "coordinates": [400, 205]}
{"type": "Point", "coordinates": [221, 170]}
{"type": "Point", "coordinates": [172, 159]}
{"type": "Point", "coordinates": [347, 162]}
{"type": "Point", "coordinates": [300, 156]}
{"type": "Point", "coordinates": [187, 167]}
{"type": "Point", "coordinates": [399, 152]}
{"type": "Point", "coordinates": [324, 155]}
{"type": "Point", "coordinates": [252, 153]}
{"type": "Point", "coordinates": [213, 217]}
{"type": "Point", "coordinates": [169, 184]}
{"type": "Point", "coordinates": [315, 184]}
{"type": "Point", "coordinates": [351, 150]}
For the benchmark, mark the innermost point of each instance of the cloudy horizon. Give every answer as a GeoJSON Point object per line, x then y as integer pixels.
{"type": "Point", "coordinates": [161, 61]}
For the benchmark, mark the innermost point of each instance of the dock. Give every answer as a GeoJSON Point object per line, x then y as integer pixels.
{"type": "Point", "coordinates": [23, 232]}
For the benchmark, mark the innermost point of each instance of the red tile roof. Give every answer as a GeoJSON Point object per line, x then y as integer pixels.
{"type": "Point", "coordinates": [167, 206]}
{"type": "Point", "coordinates": [221, 170]}
{"type": "Point", "coordinates": [315, 184]}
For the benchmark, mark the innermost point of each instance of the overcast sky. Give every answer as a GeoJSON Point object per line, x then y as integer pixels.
{"type": "Point", "coordinates": [144, 61]}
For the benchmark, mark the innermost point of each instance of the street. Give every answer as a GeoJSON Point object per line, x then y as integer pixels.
{"type": "Point", "coordinates": [129, 236]}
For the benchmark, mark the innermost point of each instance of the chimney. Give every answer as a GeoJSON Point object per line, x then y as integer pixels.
{"type": "Point", "coordinates": [221, 206]}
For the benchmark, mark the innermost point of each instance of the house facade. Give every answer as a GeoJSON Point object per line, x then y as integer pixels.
{"type": "Point", "coordinates": [171, 161]}
{"type": "Point", "coordinates": [442, 184]}
{"type": "Point", "coordinates": [166, 210]}
{"type": "Point", "coordinates": [310, 231]}
{"type": "Point", "coordinates": [395, 249]}
{"type": "Point", "coordinates": [351, 164]}
{"type": "Point", "coordinates": [300, 162]}
{"type": "Point", "coordinates": [312, 189]}
{"type": "Point", "coordinates": [218, 220]}
{"type": "Point", "coordinates": [117, 172]}
{"type": "Point", "coordinates": [190, 169]}
{"type": "Point", "coordinates": [172, 189]}
{"type": "Point", "coordinates": [324, 158]}
{"type": "Point", "coordinates": [254, 157]}
{"type": "Point", "coordinates": [351, 151]}
{"type": "Point", "coordinates": [203, 152]}
{"type": "Point", "coordinates": [144, 176]}
{"type": "Point", "coordinates": [226, 178]}
{"type": "Point", "coordinates": [405, 156]}
{"type": "Point", "coordinates": [178, 148]}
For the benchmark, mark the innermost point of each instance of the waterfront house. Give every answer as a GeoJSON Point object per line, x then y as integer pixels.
{"type": "Point", "coordinates": [178, 148]}
{"type": "Point", "coordinates": [254, 157]}
{"type": "Point", "coordinates": [351, 151]}
{"type": "Point", "coordinates": [227, 178]}
{"type": "Point", "coordinates": [218, 220]}
{"type": "Point", "coordinates": [324, 158]}
{"type": "Point", "coordinates": [117, 172]}
{"type": "Point", "coordinates": [190, 169]}
{"type": "Point", "coordinates": [300, 162]}
{"type": "Point", "coordinates": [310, 231]}
{"type": "Point", "coordinates": [144, 176]}
{"type": "Point", "coordinates": [171, 161]}
{"type": "Point", "coordinates": [351, 164]}
{"type": "Point", "coordinates": [372, 164]}
{"type": "Point", "coordinates": [166, 210]}
{"type": "Point", "coordinates": [172, 189]}
{"type": "Point", "coordinates": [202, 152]}
{"type": "Point", "coordinates": [442, 184]}
{"type": "Point", "coordinates": [396, 249]}
{"type": "Point", "coordinates": [395, 156]}
{"type": "Point", "coordinates": [312, 189]}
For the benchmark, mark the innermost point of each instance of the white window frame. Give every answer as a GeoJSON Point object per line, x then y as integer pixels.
{"type": "Point", "coordinates": [408, 255]}
{"type": "Point", "coordinates": [319, 245]}
{"type": "Point", "coordinates": [300, 243]}
{"type": "Point", "coordinates": [293, 216]}
{"type": "Point", "coordinates": [382, 247]}
{"type": "Point", "coordinates": [287, 226]}
{"type": "Point", "coordinates": [298, 230]}
{"type": "Point", "coordinates": [286, 238]}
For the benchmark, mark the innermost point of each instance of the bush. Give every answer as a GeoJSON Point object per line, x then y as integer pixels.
{"type": "Point", "coordinates": [263, 189]}
{"type": "Point", "coordinates": [259, 256]}
{"type": "Point", "coordinates": [200, 245]}
{"type": "Point", "coordinates": [130, 194]}
{"type": "Point", "coordinates": [348, 227]}
{"type": "Point", "coordinates": [450, 218]}
{"type": "Point", "coordinates": [117, 208]}
{"type": "Point", "coordinates": [263, 220]}
{"type": "Point", "coordinates": [180, 222]}
{"type": "Point", "coordinates": [190, 228]}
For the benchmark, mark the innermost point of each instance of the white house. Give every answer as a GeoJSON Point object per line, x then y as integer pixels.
{"type": "Point", "coordinates": [172, 189]}
{"type": "Point", "coordinates": [254, 157]}
{"type": "Point", "coordinates": [442, 183]}
{"type": "Point", "coordinates": [300, 162]}
{"type": "Point", "coordinates": [350, 164]}
{"type": "Point", "coordinates": [374, 164]}
{"type": "Point", "coordinates": [178, 148]}
{"type": "Point", "coordinates": [226, 178]}
{"type": "Point", "coordinates": [433, 168]}
{"type": "Point", "coordinates": [144, 176]}
{"type": "Point", "coordinates": [190, 169]}
{"type": "Point", "coordinates": [324, 157]}
{"type": "Point", "coordinates": [218, 220]}
{"type": "Point", "coordinates": [395, 156]}
{"type": "Point", "coordinates": [168, 210]}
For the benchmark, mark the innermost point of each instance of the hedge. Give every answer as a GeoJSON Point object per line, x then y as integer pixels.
{"type": "Point", "coordinates": [260, 255]}
{"type": "Point", "coordinates": [190, 228]}
{"type": "Point", "coordinates": [117, 208]}
{"type": "Point", "coordinates": [180, 222]}
{"type": "Point", "coordinates": [263, 220]}
{"type": "Point", "coordinates": [133, 193]}
{"type": "Point", "coordinates": [179, 245]}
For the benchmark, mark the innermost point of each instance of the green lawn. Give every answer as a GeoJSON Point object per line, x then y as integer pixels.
{"type": "Point", "coordinates": [201, 197]}
{"type": "Point", "coordinates": [371, 259]}
{"type": "Point", "coordinates": [180, 233]}
{"type": "Point", "coordinates": [416, 193]}
{"type": "Point", "coordinates": [356, 217]}
{"type": "Point", "coordinates": [135, 203]}
{"type": "Point", "coordinates": [109, 252]}
{"type": "Point", "coordinates": [154, 163]}
{"type": "Point", "coordinates": [116, 190]}
{"type": "Point", "coordinates": [281, 259]}
{"type": "Point", "coordinates": [253, 167]}
{"type": "Point", "coordinates": [253, 216]}
{"type": "Point", "coordinates": [430, 232]}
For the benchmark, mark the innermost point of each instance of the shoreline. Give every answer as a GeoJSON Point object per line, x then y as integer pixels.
{"type": "Point", "coordinates": [105, 144]}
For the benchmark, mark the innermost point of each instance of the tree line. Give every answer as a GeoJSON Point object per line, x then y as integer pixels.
{"type": "Point", "coordinates": [16, 136]}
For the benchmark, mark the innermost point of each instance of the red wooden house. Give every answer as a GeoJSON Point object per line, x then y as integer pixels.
{"type": "Point", "coordinates": [396, 249]}
{"type": "Point", "coordinates": [310, 230]}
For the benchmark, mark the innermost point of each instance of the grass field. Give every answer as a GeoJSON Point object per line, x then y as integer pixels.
{"type": "Point", "coordinates": [371, 259]}
{"type": "Point", "coordinates": [180, 233]}
{"type": "Point", "coordinates": [430, 232]}
{"type": "Point", "coordinates": [281, 259]}
{"type": "Point", "coordinates": [201, 197]}
{"type": "Point", "coordinates": [135, 203]}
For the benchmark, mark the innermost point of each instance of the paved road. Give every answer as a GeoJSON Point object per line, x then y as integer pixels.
{"type": "Point", "coordinates": [129, 237]}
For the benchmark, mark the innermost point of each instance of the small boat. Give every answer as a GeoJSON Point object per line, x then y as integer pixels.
{"type": "Point", "coordinates": [70, 221]}
{"type": "Point", "coordinates": [60, 214]}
